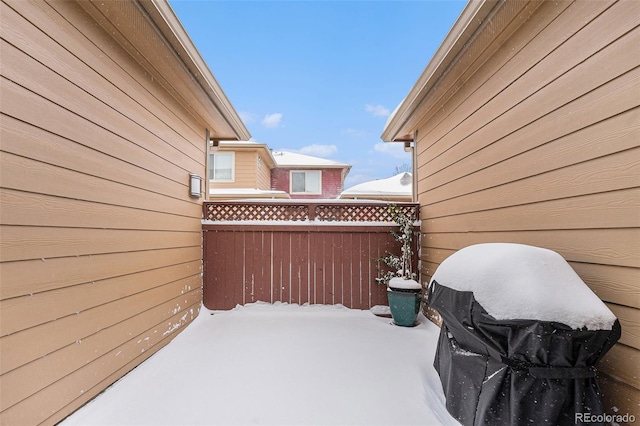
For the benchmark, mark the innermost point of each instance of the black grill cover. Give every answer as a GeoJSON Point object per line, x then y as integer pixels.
{"type": "Point", "coordinates": [514, 372]}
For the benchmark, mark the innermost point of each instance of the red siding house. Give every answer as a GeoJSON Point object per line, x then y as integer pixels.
{"type": "Point", "coordinates": [307, 177]}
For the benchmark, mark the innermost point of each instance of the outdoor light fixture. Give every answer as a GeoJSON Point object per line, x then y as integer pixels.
{"type": "Point", "coordinates": [195, 185]}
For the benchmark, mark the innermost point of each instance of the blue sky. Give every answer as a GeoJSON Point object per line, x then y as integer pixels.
{"type": "Point", "coordinates": [320, 77]}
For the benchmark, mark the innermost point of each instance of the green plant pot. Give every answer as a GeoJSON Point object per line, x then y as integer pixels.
{"type": "Point", "coordinates": [404, 305]}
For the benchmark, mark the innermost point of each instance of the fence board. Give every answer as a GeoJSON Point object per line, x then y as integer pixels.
{"type": "Point", "coordinates": [250, 267]}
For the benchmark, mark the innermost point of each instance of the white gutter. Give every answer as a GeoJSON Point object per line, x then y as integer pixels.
{"type": "Point", "coordinates": [187, 51]}
{"type": "Point", "coordinates": [404, 120]}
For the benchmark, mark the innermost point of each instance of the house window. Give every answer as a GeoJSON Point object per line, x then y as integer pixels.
{"type": "Point", "coordinates": [221, 166]}
{"type": "Point", "coordinates": [306, 182]}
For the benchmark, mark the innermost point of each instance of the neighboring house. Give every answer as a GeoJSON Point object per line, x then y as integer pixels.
{"type": "Point", "coordinates": [241, 170]}
{"type": "Point", "coordinates": [526, 125]}
{"type": "Point", "coordinates": [396, 188]}
{"type": "Point", "coordinates": [107, 108]}
{"type": "Point", "coordinates": [307, 177]}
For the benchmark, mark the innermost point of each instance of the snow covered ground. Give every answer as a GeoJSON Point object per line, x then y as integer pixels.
{"type": "Point", "coordinates": [282, 365]}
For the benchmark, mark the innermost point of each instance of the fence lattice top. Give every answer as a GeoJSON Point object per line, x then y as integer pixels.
{"type": "Point", "coordinates": [221, 211]}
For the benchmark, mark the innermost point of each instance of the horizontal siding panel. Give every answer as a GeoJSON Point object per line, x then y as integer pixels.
{"type": "Point", "coordinates": [35, 276]}
{"type": "Point", "coordinates": [88, 394]}
{"type": "Point", "coordinates": [31, 209]}
{"type": "Point", "coordinates": [85, 108]}
{"type": "Point", "coordinates": [18, 349]}
{"type": "Point", "coordinates": [41, 405]}
{"type": "Point", "coordinates": [434, 255]}
{"type": "Point", "coordinates": [77, 401]}
{"type": "Point", "coordinates": [102, 54]}
{"type": "Point", "coordinates": [604, 246]}
{"type": "Point", "coordinates": [246, 170]}
{"type": "Point", "coordinates": [94, 51]}
{"type": "Point", "coordinates": [615, 209]}
{"type": "Point", "coordinates": [538, 133]}
{"type": "Point", "coordinates": [33, 411]}
{"type": "Point", "coordinates": [621, 363]}
{"type": "Point", "coordinates": [630, 321]}
{"type": "Point", "coordinates": [612, 283]}
{"type": "Point", "coordinates": [428, 267]}
{"type": "Point", "coordinates": [23, 312]}
{"type": "Point", "coordinates": [31, 242]}
{"type": "Point", "coordinates": [24, 174]}
{"type": "Point", "coordinates": [610, 173]}
{"type": "Point", "coordinates": [532, 150]}
{"type": "Point", "coordinates": [168, 71]}
{"type": "Point", "coordinates": [556, 80]}
{"type": "Point", "coordinates": [62, 129]}
{"type": "Point", "coordinates": [24, 382]}
{"type": "Point", "coordinates": [264, 177]}
{"type": "Point", "coordinates": [552, 26]}
{"type": "Point", "coordinates": [114, 109]}
{"type": "Point", "coordinates": [19, 138]}
{"type": "Point", "coordinates": [619, 395]}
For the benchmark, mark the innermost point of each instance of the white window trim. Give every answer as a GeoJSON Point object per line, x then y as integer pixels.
{"type": "Point", "coordinates": [291, 172]}
{"type": "Point", "coordinates": [233, 166]}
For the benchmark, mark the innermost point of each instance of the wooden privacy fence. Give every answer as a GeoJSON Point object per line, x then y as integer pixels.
{"type": "Point", "coordinates": [297, 252]}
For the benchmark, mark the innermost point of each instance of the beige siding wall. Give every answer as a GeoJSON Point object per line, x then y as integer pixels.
{"type": "Point", "coordinates": [263, 173]}
{"type": "Point", "coordinates": [244, 173]}
{"type": "Point", "coordinates": [101, 244]}
{"type": "Point", "coordinates": [540, 144]}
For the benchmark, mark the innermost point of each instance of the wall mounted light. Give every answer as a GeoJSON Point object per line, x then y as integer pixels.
{"type": "Point", "coordinates": [195, 185]}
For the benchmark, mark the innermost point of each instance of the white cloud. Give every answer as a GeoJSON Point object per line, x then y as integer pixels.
{"type": "Point", "coordinates": [393, 149]}
{"type": "Point", "coordinates": [318, 150]}
{"type": "Point", "coordinates": [272, 120]}
{"type": "Point", "coordinates": [377, 110]}
{"type": "Point", "coordinates": [247, 117]}
{"type": "Point", "coordinates": [353, 132]}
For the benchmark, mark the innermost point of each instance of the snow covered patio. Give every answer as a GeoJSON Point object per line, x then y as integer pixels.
{"type": "Point", "coordinates": [282, 364]}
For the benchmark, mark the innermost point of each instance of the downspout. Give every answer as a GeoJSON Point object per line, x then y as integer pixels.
{"type": "Point", "coordinates": [414, 168]}
{"type": "Point", "coordinates": [410, 146]}
{"type": "Point", "coordinates": [207, 141]}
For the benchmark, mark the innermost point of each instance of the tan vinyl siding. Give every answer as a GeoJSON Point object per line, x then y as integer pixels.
{"type": "Point", "coordinates": [539, 143]}
{"type": "Point", "coordinates": [101, 247]}
{"type": "Point", "coordinates": [246, 165]}
{"type": "Point", "coordinates": [244, 173]}
{"type": "Point", "coordinates": [264, 173]}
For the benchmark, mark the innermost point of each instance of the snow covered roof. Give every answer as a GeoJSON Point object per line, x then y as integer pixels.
{"type": "Point", "coordinates": [293, 159]}
{"type": "Point", "coordinates": [262, 148]}
{"type": "Point", "coordinates": [517, 281]}
{"type": "Point", "coordinates": [235, 193]}
{"type": "Point", "coordinates": [399, 186]}
{"type": "Point", "coordinates": [242, 144]}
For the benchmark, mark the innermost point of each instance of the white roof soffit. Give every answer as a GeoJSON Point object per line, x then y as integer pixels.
{"type": "Point", "coordinates": [404, 120]}
{"type": "Point", "coordinates": [151, 33]}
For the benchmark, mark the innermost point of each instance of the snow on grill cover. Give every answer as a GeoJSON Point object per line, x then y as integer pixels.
{"type": "Point", "coordinates": [520, 338]}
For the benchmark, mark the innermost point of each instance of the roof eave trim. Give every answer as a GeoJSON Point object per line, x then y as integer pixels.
{"type": "Point", "coordinates": [455, 42]}
{"type": "Point", "coordinates": [192, 59]}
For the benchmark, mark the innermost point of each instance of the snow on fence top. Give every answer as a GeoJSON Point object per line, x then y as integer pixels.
{"type": "Point", "coordinates": [303, 211]}
{"type": "Point", "coordinates": [517, 281]}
